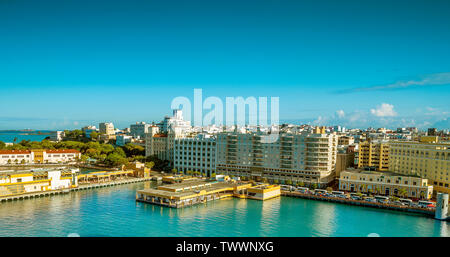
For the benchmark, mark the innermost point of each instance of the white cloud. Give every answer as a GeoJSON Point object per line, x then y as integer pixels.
{"type": "Point", "coordinates": [340, 113]}
{"type": "Point", "coordinates": [384, 110]}
{"type": "Point", "coordinates": [436, 79]}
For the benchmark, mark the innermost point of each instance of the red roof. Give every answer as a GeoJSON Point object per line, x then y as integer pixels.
{"type": "Point", "coordinates": [62, 151]}
{"type": "Point", "coordinates": [15, 152]}
{"type": "Point", "coordinates": [29, 152]}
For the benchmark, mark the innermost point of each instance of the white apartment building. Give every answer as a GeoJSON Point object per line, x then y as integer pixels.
{"type": "Point", "coordinates": [107, 128]}
{"type": "Point", "coordinates": [16, 157]}
{"type": "Point", "coordinates": [56, 136]}
{"type": "Point", "coordinates": [159, 140]}
{"type": "Point", "coordinates": [195, 154]}
{"type": "Point", "coordinates": [122, 140]}
{"type": "Point", "coordinates": [139, 129]}
{"type": "Point", "coordinates": [299, 158]}
{"type": "Point", "coordinates": [160, 144]}
{"type": "Point", "coordinates": [38, 156]}
{"type": "Point", "coordinates": [176, 121]}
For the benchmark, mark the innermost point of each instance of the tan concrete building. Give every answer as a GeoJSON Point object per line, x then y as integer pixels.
{"type": "Point", "coordinates": [107, 128]}
{"type": "Point", "coordinates": [296, 158]}
{"type": "Point", "coordinates": [374, 154]}
{"type": "Point", "coordinates": [345, 140]}
{"type": "Point", "coordinates": [385, 183]}
{"type": "Point", "coordinates": [195, 154]}
{"type": "Point", "coordinates": [428, 159]}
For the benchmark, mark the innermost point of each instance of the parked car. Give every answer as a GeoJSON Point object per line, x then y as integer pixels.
{"type": "Point", "coordinates": [407, 202]}
{"type": "Point", "coordinates": [370, 199]}
{"type": "Point", "coordinates": [398, 203]}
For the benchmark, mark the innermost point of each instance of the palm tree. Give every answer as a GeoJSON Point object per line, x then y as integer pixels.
{"type": "Point", "coordinates": [422, 194]}
{"type": "Point", "coordinates": [403, 192]}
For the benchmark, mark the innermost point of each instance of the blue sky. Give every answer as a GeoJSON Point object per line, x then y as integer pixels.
{"type": "Point", "coordinates": [65, 64]}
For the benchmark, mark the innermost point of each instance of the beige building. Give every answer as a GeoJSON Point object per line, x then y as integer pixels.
{"type": "Point", "coordinates": [22, 182]}
{"type": "Point", "coordinates": [107, 128]}
{"type": "Point", "coordinates": [39, 156]}
{"type": "Point", "coordinates": [374, 154]}
{"type": "Point", "coordinates": [195, 154]}
{"type": "Point", "coordinates": [385, 183]}
{"type": "Point", "coordinates": [344, 161]}
{"type": "Point", "coordinates": [428, 159]}
{"type": "Point", "coordinates": [345, 140]}
{"type": "Point", "coordinates": [296, 158]}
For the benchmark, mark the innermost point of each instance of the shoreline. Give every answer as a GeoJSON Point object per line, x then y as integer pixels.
{"type": "Point", "coordinates": [409, 209]}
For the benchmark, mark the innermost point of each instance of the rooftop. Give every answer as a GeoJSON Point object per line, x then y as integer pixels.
{"type": "Point", "coordinates": [387, 173]}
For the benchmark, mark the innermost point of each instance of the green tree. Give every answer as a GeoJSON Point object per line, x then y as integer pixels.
{"type": "Point", "coordinates": [94, 135]}
{"type": "Point", "coordinates": [314, 186]}
{"type": "Point", "coordinates": [2, 145]}
{"type": "Point", "coordinates": [422, 194]}
{"type": "Point", "coordinates": [115, 159]}
{"type": "Point", "coordinates": [150, 165]}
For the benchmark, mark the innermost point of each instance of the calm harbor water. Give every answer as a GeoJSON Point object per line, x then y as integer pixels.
{"type": "Point", "coordinates": [113, 212]}
{"type": "Point", "coordinates": [9, 136]}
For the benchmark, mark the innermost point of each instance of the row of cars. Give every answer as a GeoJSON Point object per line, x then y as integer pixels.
{"type": "Point", "coordinates": [361, 197]}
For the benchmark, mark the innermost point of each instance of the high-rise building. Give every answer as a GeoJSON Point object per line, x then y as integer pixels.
{"type": "Point", "coordinates": [428, 159]}
{"type": "Point", "coordinates": [107, 128]}
{"type": "Point", "coordinates": [56, 136]}
{"type": "Point", "coordinates": [293, 158]}
{"type": "Point", "coordinates": [432, 132]}
{"type": "Point", "coordinates": [195, 154]}
{"type": "Point", "coordinates": [88, 130]}
{"type": "Point", "coordinates": [161, 144]}
{"type": "Point", "coordinates": [175, 121]}
{"type": "Point", "coordinates": [374, 154]}
{"type": "Point", "coordinates": [139, 129]}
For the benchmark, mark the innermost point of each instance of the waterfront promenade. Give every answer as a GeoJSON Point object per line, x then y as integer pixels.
{"type": "Point", "coordinates": [425, 211]}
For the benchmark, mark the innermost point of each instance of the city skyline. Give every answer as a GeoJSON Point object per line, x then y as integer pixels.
{"type": "Point", "coordinates": [377, 63]}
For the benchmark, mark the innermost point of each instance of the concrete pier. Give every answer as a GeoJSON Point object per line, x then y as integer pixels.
{"type": "Point", "coordinates": [441, 206]}
{"type": "Point", "coordinates": [427, 212]}
{"type": "Point", "coordinates": [33, 195]}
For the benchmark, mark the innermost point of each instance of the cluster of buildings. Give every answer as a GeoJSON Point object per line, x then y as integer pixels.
{"type": "Point", "coordinates": [38, 180]}
{"type": "Point", "coordinates": [371, 160]}
{"type": "Point", "coordinates": [301, 155]}
{"type": "Point", "coordinates": [65, 156]}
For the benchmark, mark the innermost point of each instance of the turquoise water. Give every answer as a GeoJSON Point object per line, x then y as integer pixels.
{"type": "Point", "coordinates": [113, 212]}
{"type": "Point", "coordinates": [8, 137]}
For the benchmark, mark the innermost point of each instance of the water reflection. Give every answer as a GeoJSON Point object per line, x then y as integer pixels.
{"type": "Point", "coordinates": [113, 211]}
{"type": "Point", "coordinates": [324, 219]}
{"type": "Point", "coordinates": [270, 212]}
